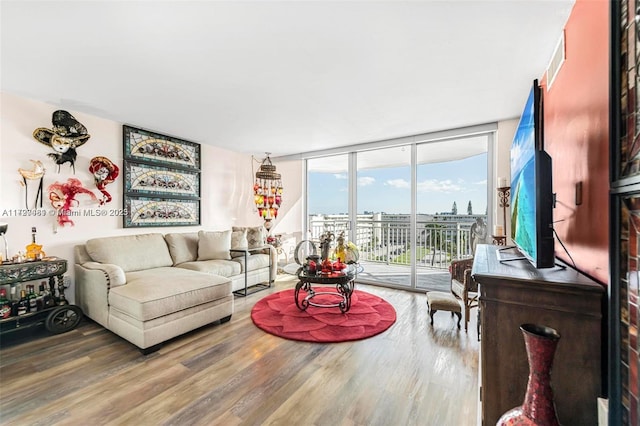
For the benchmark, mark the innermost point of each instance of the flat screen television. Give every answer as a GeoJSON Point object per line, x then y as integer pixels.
{"type": "Point", "coordinates": [532, 198]}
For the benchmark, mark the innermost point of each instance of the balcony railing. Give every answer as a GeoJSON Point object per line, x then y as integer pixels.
{"type": "Point", "coordinates": [389, 241]}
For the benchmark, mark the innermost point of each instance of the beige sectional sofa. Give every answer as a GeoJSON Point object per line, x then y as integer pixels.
{"type": "Point", "coordinates": [149, 288]}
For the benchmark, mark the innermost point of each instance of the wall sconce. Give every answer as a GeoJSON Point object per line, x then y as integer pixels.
{"type": "Point", "coordinates": [267, 191]}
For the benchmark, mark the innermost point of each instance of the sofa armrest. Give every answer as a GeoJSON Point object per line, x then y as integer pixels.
{"type": "Point", "coordinates": [92, 284]}
{"type": "Point", "coordinates": [114, 273]}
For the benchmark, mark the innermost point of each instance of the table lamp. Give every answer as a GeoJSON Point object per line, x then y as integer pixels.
{"type": "Point", "coordinates": [3, 231]}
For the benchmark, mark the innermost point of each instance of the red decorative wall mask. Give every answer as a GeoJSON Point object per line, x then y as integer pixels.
{"type": "Point", "coordinates": [63, 199]}
{"type": "Point", "coordinates": [104, 172]}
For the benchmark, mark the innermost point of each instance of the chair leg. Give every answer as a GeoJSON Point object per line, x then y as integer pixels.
{"type": "Point", "coordinates": [459, 318]}
{"type": "Point", "coordinates": [467, 312]}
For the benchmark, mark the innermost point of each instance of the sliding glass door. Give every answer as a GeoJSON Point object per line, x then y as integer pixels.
{"type": "Point", "coordinates": [410, 208]}
{"type": "Point", "coordinates": [383, 227]}
{"type": "Point", "coordinates": [451, 207]}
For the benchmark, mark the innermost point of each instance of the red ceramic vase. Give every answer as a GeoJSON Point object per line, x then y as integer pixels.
{"type": "Point", "coordinates": [538, 408]}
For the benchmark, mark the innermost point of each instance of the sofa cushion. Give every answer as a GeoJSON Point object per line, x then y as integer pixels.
{"type": "Point", "coordinates": [214, 245]}
{"type": "Point", "coordinates": [160, 291]}
{"type": "Point", "coordinates": [131, 252]}
{"type": "Point", "coordinates": [225, 268]}
{"type": "Point", "coordinates": [166, 320]}
{"type": "Point", "coordinates": [239, 242]}
{"type": "Point", "coordinates": [256, 236]}
{"type": "Point", "coordinates": [254, 261]}
{"type": "Point", "coordinates": [183, 247]}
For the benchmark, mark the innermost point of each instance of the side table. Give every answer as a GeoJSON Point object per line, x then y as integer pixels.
{"type": "Point", "coordinates": [260, 286]}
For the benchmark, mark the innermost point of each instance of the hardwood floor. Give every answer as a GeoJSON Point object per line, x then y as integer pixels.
{"type": "Point", "coordinates": [236, 374]}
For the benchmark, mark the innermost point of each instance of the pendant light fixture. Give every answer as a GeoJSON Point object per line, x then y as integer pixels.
{"type": "Point", "coordinates": [267, 191]}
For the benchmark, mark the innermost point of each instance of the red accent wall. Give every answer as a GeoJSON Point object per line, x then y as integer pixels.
{"type": "Point", "coordinates": [576, 132]}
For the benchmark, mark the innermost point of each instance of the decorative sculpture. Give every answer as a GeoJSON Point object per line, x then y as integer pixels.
{"type": "Point", "coordinates": [346, 252]}
{"type": "Point", "coordinates": [63, 199]}
{"type": "Point", "coordinates": [66, 135]}
{"type": "Point", "coordinates": [325, 244]}
{"type": "Point", "coordinates": [36, 173]}
{"type": "Point", "coordinates": [104, 172]}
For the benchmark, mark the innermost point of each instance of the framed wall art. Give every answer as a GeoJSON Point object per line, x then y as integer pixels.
{"type": "Point", "coordinates": [150, 147]}
{"type": "Point", "coordinates": [161, 180]}
{"type": "Point", "coordinates": [150, 212]}
{"type": "Point", "coordinates": [146, 179]}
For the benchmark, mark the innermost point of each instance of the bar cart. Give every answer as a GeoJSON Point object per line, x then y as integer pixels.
{"type": "Point", "coordinates": [61, 317]}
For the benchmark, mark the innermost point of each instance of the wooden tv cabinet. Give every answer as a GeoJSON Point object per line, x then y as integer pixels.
{"type": "Point", "coordinates": [514, 293]}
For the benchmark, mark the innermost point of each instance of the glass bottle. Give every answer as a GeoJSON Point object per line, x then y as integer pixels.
{"type": "Point", "coordinates": [49, 301]}
{"type": "Point", "coordinates": [40, 297]}
{"type": "Point", "coordinates": [23, 304]}
{"type": "Point", "coordinates": [5, 304]}
{"type": "Point", "coordinates": [14, 301]}
{"type": "Point", "coordinates": [33, 303]}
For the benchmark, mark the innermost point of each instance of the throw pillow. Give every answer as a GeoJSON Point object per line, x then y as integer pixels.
{"type": "Point", "coordinates": [239, 241]}
{"type": "Point", "coordinates": [255, 235]}
{"type": "Point", "coordinates": [182, 246]}
{"type": "Point", "coordinates": [214, 245]}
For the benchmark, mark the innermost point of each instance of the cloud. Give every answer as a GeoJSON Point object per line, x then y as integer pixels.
{"type": "Point", "coordinates": [366, 180]}
{"type": "Point", "coordinates": [434, 185]}
{"type": "Point", "coordinates": [339, 176]}
{"type": "Point", "coordinates": [480, 182]}
{"type": "Point", "coordinates": [397, 183]}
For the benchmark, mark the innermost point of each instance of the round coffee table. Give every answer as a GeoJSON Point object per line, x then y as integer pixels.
{"type": "Point", "coordinates": [344, 285]}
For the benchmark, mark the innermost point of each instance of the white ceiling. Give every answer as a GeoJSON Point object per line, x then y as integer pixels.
{"type": "Point", "coordinates": [283, 77]}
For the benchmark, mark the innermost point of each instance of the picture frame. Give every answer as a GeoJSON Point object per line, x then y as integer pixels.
{"type": "Point", "coordinates": [146, 179]}
{"type": "Point", "coordinates": [143, 212]}
{"type": "Point", "coordinates": [161, 180]}
{"type": "Point", "coordinates": [146, 146]}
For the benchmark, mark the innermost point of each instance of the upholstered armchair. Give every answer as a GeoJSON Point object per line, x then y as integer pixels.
{"type": "Point", "coordinates": [464, 287]}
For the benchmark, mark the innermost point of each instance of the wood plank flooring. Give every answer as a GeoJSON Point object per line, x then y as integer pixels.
{"type": "Point", "coordinates": [236, 374]}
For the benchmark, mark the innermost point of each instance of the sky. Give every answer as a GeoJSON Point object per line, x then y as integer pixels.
{"type": "Point", "coordinates": [388, 190]}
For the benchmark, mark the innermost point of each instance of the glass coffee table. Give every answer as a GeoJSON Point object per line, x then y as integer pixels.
{"type": "Point", "coordinates": [343, 281]}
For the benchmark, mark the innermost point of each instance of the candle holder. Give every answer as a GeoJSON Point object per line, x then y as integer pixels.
{"type": "Point", "coordinates": [504, 194]}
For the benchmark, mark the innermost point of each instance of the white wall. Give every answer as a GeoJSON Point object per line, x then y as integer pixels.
{"type": "Point", "coordinates": [226, 182]}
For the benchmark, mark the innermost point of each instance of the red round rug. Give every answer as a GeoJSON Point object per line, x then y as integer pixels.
{"type": "Point", "coordinates": [277, 314]}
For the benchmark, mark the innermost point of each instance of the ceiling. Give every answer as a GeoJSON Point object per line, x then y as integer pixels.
{"type": "Point", "coordinates": [281, 77]}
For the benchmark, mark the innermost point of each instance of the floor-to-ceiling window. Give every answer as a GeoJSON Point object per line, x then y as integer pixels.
{"type": "Point", "coordinates": [410, 208]}
{"type": "Point", "coordinates": [328, 194]}
{"type": "Point", "coordinates": [451, 205]}
{"type": "Point", "coordinates": [383, 228]}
